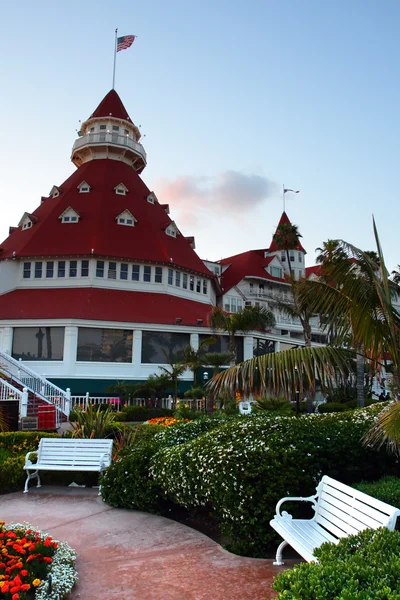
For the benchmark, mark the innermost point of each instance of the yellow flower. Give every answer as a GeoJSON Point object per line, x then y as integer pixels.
{"type": "Point", "coordinates": [1, 584]}
{"type": "Point", "coordinates": [36, 582]}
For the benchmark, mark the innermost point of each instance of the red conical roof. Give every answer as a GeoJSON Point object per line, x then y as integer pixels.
{"type": "Point", "coordinates": [284, 220]}
{"type": "Point", "coordinates": [111, 105]}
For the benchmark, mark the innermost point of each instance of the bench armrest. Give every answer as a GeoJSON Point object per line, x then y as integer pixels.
{"type": "Point", "coordinates": [27, 461]}
{"type": "Point", "coordinates": [294, 499]}
{"type": "Point", "coordinates": [105, 461]}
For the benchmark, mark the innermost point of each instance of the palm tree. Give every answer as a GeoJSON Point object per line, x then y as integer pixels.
{"type": "Point", "coordinates": [361, 305]}
{"type": "Point", "coordinates": [396, 276]}
{"type": "Point", "coordinates": [287, 237]}
{"type": "Point", "coordinates": [174, 370]}
{"type": "Point", "coordinates": [193, 359]}
{"type": "Point", "coordinates": [296, 308]}
{"type": "Point", "coordinates": [252, 317]}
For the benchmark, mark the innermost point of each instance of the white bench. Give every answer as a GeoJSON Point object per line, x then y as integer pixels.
{"type": "Point", "coordinates": [340, 511]}
{"type": "Point", "coordinates": [68, 454]}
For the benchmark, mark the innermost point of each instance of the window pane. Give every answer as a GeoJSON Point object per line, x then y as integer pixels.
{"type": "Point", "coordinates": [66, 219]}
{"type": "Point", "coordinates": [192, 283]}
{"type": "Point", "coordinates": [61, 268]}
{"type": "Point", "coordinates": [100, 268]}
{"type": "Point", "coordinates": [124, 271]}
{"type": "Point", "coordinates": [73, 268]}
{"type": "Point", "coordinates": [104, 345]}
{"type": "Point", "coordinates": [85, 268]}
{"type": "Point", "coordinates": [147, 274]}
{"type": "Point", "coordinates": [222, 345]}
{"type": "Point", "coordinates": [27, 270]}
{"type": "Point", "coordinates": [261, 347]}
{"type": "Point", "coordinates": [38, 270]}
{"type": "Point", "coordinates": [177, 279]}
{"type": "Point", "coordinates": [198, 285]}
{"type": "Point", "coordinates": [204, 286]}
{"type": "Point", "coordinates": [154, 342]}
{"type": "Point", "coordinates": [158, 275]}
{"type": "Point", "coordinates": [135, 272]}
{"type": "Point", "coordinates": [38, 343]}
{"type": "Point", "coordinates": [50, 269]}
{"type": "Point", "coordinates": [170, 277]}
{"type": "Point", "coordinates": [112, 270]}
{"type": "Point", "coordinates": [184, 281]}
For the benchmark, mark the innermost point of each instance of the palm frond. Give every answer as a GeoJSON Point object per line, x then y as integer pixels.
{"type": "Point", "coordinates": [386, 430]}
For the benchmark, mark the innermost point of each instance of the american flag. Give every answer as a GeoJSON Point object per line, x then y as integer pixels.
{"type": "Point", "coordinates": [125, 42]}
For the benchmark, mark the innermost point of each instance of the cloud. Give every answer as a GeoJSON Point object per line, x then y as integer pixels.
{"type": "Point", "coordinates": [229, 193]}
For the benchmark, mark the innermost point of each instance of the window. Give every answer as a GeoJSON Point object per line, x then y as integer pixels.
{"type": "Point", "coordinates": [276, 272]}
{"type": "Point", "coordinates": [123, 273]}
{"type": "Point", "coordinates": [50, 269]}
{"type": "Point", "coordinates": [135, 272]}
{"type": "Point", "coordinates": [27, 224]}
{"type": "Point", "coordinates": [232, 304]}
{"type": "Point", "coordinates": [112, 270]}
{"type": "Point", "coordinates": [261, 288]}
{"type": "Point", "coordinates": [129, 222]}
{"type": "Point", "coordinates": [171, 232]}
{"type": "Point", "coordinates": [115, 128]}
{"type": "Point", "coordinates": [38, 270]}
{"type": "Point", "coordinates": [153, 343]}
{"type": "Point", "coordinates": [102, 136]}
{"type": "Point", "coordinates": [158, 275]}
{"type": "Point", "coordinates": [100, 268]}
{"type": "Point", "coordinates": [191, 283]}
{"type": "Point", "coordinates": [61, 268]}
{"type": "Point", "coordinates": [65, 219]}
{"type": "Point", "coordinates": [299, 256]}
{"type": "Point", "coordinates": [177, 279]}
{"type": "Point", "coordinates": [73, 219]}
{"type": "Point", "coordinates": [184, 281]}
{"type": "Point", "coordinates": [84, 189]}
{"type": "Point", "coordinates": [147, 274]}
{"type": "Point", "coordinates": [85, 268]}
{"type": "Point", "coordinates": [251, 288]}
{"type": "Point", "coordinates": [221, 344]}
{"type": "Point", "coordinates": [38, 343]}
{"type": "Point", "coordinates": [291, 256]}
{"type": "Point", "coordinates": [120, 191]}
{"type": "Point", "coordinates": [27, 270]}
{"type": "Point", "coordinates": [204, 286]}
{"type": "Point", "coordinates": [283, 256]}
{"type": "Point", "coordinates": [121, 220]}
{"type": "Point", "coordinates": [170, 277]}
{"type": "Point", "coordinates": [104, 345]}
{"type": "Point", "coordinates": [73, 268]}
{"type": "Point", "coordinates": [198, 285]}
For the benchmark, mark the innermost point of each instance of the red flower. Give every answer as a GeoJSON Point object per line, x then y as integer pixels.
{"type": "Point", "coordinates": [24, 572]}
{"type": "Point", "coordinates": [15, 597]}
{"type": "Point", "coordinates": [25, 587]}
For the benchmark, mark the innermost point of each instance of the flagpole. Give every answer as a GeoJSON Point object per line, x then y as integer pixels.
{"type": "Point", "coordinates": [283, 196]}
{"type": "Point", "coordinates": [115, 57]}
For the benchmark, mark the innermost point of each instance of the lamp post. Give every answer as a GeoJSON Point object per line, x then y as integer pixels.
{"type": "Point", "coordinates": [205, 379]}
{"type": "Point", "coordinates": [297, 391]}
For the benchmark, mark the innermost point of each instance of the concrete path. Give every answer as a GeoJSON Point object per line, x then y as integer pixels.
{"type": "Point", "coordinates": [130, 555]}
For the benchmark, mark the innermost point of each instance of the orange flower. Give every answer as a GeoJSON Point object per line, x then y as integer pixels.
{"type": "Point", "coordinates": [36, 582]}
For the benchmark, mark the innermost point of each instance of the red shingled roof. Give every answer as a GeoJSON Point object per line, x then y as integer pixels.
{"type": "Point", "coordinates": [284, 220]}
{"type": "Point", "coordinates": [101, 305]}
{"type": "Point", "coordinates": [97, 228]}
{"type": "Point", "coordinates": [111, 105]}
{"type": "Point", "coordinates": [315, 270]}
{"type": "Point", "coordinates": [247, 264]}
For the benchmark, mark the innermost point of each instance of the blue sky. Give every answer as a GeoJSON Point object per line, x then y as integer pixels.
{"type": "Point", "coordinates": [234, 99]}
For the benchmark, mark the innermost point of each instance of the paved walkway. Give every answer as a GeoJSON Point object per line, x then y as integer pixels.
{"type": "Point", "coordinates": [130, 555]}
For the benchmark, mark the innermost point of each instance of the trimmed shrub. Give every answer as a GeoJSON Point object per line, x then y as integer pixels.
{"type": "Point", "coordinates": [17, 442]}
{"type": "Point", "coordinates": [12, 475]}
{"type": "Point", "coordinates": [143, 413]}
{"type": "Point", "coordinates": [332, 407]}
{"type": "Point", "coordinates": [242, 467]}
{"type": "Point", "coordinates": [386, 489]}
{"type": "Point", "coordinates": [361, 567]}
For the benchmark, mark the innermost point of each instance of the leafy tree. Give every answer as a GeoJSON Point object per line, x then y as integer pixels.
{"type": "Point", "coordinates": [252, 317]}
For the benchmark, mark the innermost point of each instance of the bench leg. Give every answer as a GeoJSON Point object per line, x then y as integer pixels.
{"type": "Point", "coordinates": [278, 561]}
{"type": "Point", "coordinates": [29, 477]}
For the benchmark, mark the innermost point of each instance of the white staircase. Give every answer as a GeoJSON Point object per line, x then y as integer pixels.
{"type": "Point", "coordinates": [38, 386]}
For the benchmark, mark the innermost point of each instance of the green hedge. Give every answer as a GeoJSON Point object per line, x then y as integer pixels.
{"type": "Point", "coordinates": [241, 468]}
{"type": "Point", "coordinates": [22, 441]}
{"type": "Point", "coordinates": [143, 413]}
{"type": "Point", "coordinates": [386, 489]}
{"type": "Point", "coordinates": [361, 567]}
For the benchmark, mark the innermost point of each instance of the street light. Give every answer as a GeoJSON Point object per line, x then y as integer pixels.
{"type": "Point", "coordinates": [205, 379]}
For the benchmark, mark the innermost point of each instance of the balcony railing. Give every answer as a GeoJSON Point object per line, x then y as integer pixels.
{"type": "Point", "coordinates": [122, 141]}
{"type": "Point", "coordinates": [269, 295]}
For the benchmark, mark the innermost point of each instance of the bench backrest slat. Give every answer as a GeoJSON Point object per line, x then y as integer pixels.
{"type": "Point", "coordinates": [345, 511]}
{"type": "Point", "coordinates": [74, 451]}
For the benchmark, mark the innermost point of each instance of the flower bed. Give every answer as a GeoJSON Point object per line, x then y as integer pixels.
{"type": "Point", "coordinates": [167, 421]}
{"type": "Point", "coordinates": [27, 558]}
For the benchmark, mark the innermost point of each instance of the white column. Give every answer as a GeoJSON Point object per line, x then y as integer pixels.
{"type": "Point", "coordinates": [277, 347]}
{"type": "Point", "coordinates": [137, 352]}
{"type": "Point", "coordinates": [247, 347]}
{"type": "Point", "coordinates": [70, 349]}
{"type": "Point", "coordinates": [195, 341]}
{"type": "Point", "coordinates": [6, 339]}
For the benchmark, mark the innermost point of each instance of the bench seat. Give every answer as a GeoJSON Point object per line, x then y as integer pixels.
{"type": "Point", "coordinates": [68, 454]}
{"type": "Point", "coordinates": [340, 511]}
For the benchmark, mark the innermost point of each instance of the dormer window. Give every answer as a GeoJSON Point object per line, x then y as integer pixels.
{"type": "Point", "coordinates": [27, 221]}
{"type": "Point", "coordinates": [69, 216]}
{"type": "Point", "coordinates": [126, 218]}
{"type": "Point", "coordinates": [121, 189]}
{"type": "Point", "coordinates": [84, 187]}
{"type": "Point", "coordinates": [152, 198]}
{"type": "Point", "coordinates": [27, 224]}
{"type": "Point", "coordinates": [54, 192]}
{"type": "Point", "coordinates": [171, 230]}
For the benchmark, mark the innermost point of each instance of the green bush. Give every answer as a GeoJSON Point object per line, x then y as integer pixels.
{"type": "Point", "coordinates": [242, 467]}
{"type": "Point", "coordinates": [143, 413]}
{"type": "Point", "coordinates": [361, 567]}
{"type": "Point", "coordinates": [332, 407]}
{"type": "Point", "coordinates": [12, 475]}
{"type": "Point", "coordinates": [386, 489]}
{"type": "Point", "coordinates": [21, 442]}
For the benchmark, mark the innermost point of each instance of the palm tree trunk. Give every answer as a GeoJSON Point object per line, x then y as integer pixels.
{"type": "Point", "coordinates": [232, 349]}
{"type": "Point", "coordinates": [360, 379]}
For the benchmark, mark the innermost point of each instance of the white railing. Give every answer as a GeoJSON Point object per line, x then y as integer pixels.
{"type": "Point", "coordinates": [110, 138]}
{"type": "Point", "coordinates": [115, 402]}
{"type": "Point", "coordinates": [9, 392]}
{"type": "Point", "coordinates": [270, 295]}
{"type": "Point", "coordinates": [40, 386]}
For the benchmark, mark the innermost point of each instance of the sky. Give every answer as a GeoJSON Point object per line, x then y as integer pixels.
{"type": "Point", "coordinates": [234, 100]}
